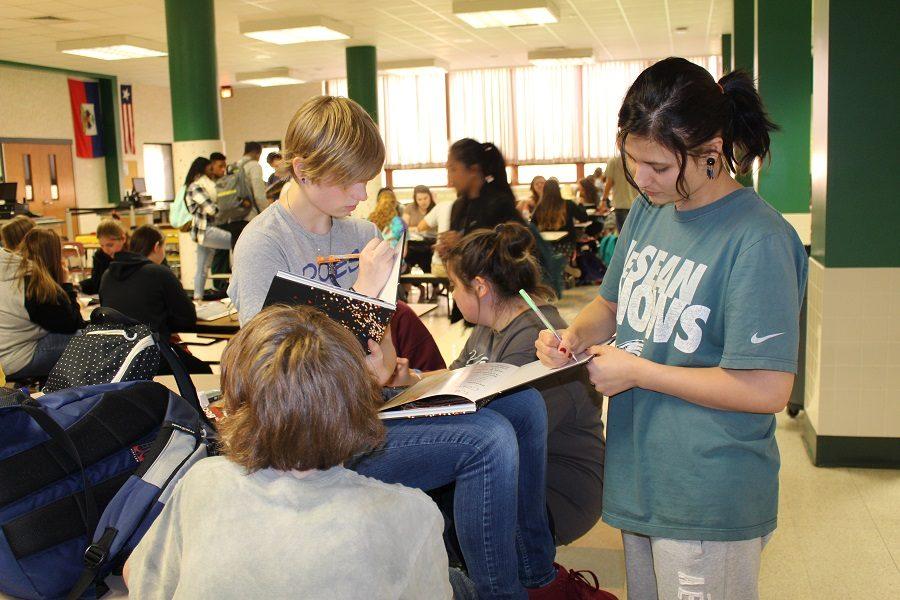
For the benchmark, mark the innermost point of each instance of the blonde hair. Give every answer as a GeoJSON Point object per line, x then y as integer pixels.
{"type": "Point", "coordinates": [110, 228]}
{"type": "Point", "coordinates": [337, 141]}
{"type": "Point", "coordinates": [386, 208]}
{"type": "Point", "coordinates": [311, 401]}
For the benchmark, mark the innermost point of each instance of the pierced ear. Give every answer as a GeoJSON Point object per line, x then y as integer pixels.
{"type": "Point", "coordinates": [297, 168]}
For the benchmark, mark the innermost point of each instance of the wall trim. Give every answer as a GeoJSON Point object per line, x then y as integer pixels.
{"type": "Point", "coordinates": [48, 141]}
{"type": "Point", "coordinates": [848, 451]}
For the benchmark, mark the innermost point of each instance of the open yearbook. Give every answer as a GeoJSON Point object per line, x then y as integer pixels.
{"type": "Point", "coordinates": [366, 317]}
{"type": "Point", "coordinates": [467, 389]}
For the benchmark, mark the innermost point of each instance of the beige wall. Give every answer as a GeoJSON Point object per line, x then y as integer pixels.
{"type": "Point", "coordinates": [35, 104]}
{"type": "Point", "coordinates": [152, 122]}
{"type": "Point", "coordinates": [261, 114]}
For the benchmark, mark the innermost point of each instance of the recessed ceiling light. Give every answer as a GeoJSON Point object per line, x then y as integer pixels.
{"type": "Point", "coordinates": [681, 30]}
{"type": "Point", "coordinates": [113, 47]}
{"type": "Point", "coordinates": [270, 77]}
{"type": "Point", "coordinates": [561, 56]}
{"type": "Point", "coordinates": [481, 14]}
{"type": "Point", "coordinates": [296, 30]}
{"type": "Point", "coordinates": [414, 67]}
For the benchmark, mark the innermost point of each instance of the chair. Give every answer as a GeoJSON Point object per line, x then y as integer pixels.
{"type": "Point", "coordinates": [75, 250]}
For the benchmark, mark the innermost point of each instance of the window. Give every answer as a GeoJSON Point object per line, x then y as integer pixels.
{"type": "Point", "coordinates": [589, 168]}
{"type": "Point", "coordinates": [412, 113]}
{"type": "Point", "coordinates": [158, 171]}
{"type": "Point", "coordinates": [546, 108]}
{"type": "Point", "coordinates": [563, 173]}
{"type": "Point", "coordinates": [408, 178]}
{"type": "Point", "coordinates": [481, 108]}
{"type": "Point", "coordinates": [267, 147]}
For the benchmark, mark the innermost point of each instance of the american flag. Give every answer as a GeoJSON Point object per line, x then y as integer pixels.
{"type": "Point", "coordinates": [127, 120]}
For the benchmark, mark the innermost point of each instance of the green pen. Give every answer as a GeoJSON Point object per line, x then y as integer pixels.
{"type": "Point", "coordinates": [540, 314]}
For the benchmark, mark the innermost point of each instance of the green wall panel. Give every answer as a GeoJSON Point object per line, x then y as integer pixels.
{"type": "Point", "coordinates": [784, 80]}
{"type": "Point", "coordinates": [193, 80]}
{"type": "Point", "coordinates": [857, 220]}
{"type": "Point", "coordinates": [362, 78]}
{"type": "Point", "coordinates": [727, 53]}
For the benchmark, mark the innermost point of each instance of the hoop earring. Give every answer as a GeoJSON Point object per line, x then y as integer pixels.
{"type": "Point", "coordinates": [709, 167]}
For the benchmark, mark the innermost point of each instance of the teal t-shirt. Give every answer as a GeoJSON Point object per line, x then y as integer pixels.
{"type": "Point", "coordinates": [717, 286]}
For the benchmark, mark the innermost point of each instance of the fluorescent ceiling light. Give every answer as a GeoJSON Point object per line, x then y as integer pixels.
{"type": "Point", "coordinates": [296, 30]}
{"type": "Point", "coordinates": [269, 78]}
{"type": "Point", "coordinates": [561, 56]}
{"type": "Point", "coordinates": [505, 13]}
{"type": "Point", "coordinates": [414, 67]}
{"type": "Point", "coordinates": [113, 47]}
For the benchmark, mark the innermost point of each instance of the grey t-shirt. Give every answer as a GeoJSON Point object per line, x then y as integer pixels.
{"type": "Point", "coordinates": [575, 445]}
{"type": "Point", "coordinates": [333, 534]}
{"type": "Point", "coordinates": [274, 242]}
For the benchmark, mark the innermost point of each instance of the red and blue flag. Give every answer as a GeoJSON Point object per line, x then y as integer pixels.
{"type": "Point", "coordinates": [85, 99]}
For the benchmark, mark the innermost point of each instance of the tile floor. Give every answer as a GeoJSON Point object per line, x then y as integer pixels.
{"type": "Point", "coordinates": [839, 529]}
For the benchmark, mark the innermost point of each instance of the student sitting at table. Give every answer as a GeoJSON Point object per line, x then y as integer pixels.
{"type": "Point", "coordinates": [419, 251]}
{"type": "Point", "coordinates": [386, 209]}
{"type": "Point", "coordinates": [279, 506]}
{"type": "Point", "coordinates": [113, 239]}
{"type": "Point", "coordinates": [138, 285]}
{"type": "Point", "coordinates": [422, 204]}
{"type": "Point", "coordinates": [497, 455]}
{"type": "Point", "coordinates": [13, 232]}
{"type": "Point", "coordinates": [554, 213]}
{"type": "Point", "coordinates": [38, 310]}
{"type": "Point", "coordinates": [487, 269]}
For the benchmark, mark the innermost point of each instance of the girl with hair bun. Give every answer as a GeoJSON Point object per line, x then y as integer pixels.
{"type": "Point", "coordinates": [703, 293]}
{"type": "Point", "coordinates": [487, 269]}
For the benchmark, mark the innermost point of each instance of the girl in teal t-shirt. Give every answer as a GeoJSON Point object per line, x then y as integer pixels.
{"type": "Point", "coordinates": [703, 293]}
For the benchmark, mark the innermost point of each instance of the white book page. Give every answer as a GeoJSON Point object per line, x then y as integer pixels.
{"type": "Point", "coordinates": [535, 370]}
{"type": "Point", "coordinates": [473, 383]}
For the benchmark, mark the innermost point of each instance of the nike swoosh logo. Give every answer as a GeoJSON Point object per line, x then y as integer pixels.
{"type": "Point", "coordinates": [754, 339]}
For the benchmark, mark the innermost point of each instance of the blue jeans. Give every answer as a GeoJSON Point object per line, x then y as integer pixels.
{"type": "Point", "coordinates": [214, 239]}
{"type": "Point", "coordinates": [498, 457]}
{"type": "Point", "coordinates": [46, 354]}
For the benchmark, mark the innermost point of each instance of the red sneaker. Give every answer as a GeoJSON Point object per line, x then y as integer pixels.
{"type": "Point", "coordinates": [571, 585]}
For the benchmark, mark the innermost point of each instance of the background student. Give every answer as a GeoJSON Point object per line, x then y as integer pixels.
{"type": "Point", "coordinates": [201, 202]}
{"type": "Point", "coordinates": [113, 239]}
{"type": "Point", "coordinates": [554, 213]}
{"type": "Point", "coordinates": [419, 252]}
{"type": "Point", "coordinates": [137, 284]}
{"type": "Point", "coordinates": [38, 310]}
{"type": "Point", "coordinates": [300, 403]}
{"type": "Point", "coordinates": [386, 209]}
{"type": "Point", "coordinates": [695, 383]}
{"type": "Point", "coordinates": [13, 232]}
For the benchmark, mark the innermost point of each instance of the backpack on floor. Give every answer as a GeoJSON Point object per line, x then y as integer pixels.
{"type": "Point", "coordinates": [83, 474]}
{"type": "Point", "coordinates": [115, 348]}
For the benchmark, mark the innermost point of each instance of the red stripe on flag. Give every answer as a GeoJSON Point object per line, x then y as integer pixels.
{"type": "Point", "coordinates": [84, 147]}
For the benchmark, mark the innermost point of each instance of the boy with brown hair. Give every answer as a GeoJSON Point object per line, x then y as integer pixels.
{"type": "Point", "coordinates": [113, 239]}
{"type": "Point", "coordinates": [278, 515]}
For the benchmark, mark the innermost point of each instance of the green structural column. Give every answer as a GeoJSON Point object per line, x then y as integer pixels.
{"type": "Point", "coordinates": [727, 53]}
{"type": "Point", "coordinates": [784, 79]}
{"type": "Point", "coordinates": [852, 414]}
{"type": "Point", "coordinates": [191, 32]}
{"type": "Point", "coordinates": [362, 78]}
{"type": "Point", "coordinates": [742, 29]}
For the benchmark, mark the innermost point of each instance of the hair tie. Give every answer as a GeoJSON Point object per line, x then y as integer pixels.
{"type": "Point", "coordinates": [721, 89]}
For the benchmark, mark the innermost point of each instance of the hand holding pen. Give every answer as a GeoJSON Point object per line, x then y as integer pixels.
{"type": "Point", "coordinates": [555, 347]}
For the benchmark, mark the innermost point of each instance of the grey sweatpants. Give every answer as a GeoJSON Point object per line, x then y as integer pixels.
{"type": "Point", "coordinates": [665, 569]}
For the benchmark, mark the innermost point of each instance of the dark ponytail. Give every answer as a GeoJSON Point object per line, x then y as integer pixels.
{"type": "Point", "coordinates": [505, 256]}
{"type": "Point", "coordinates": [679, 105]}
{"type": "Point", "coordinates": [198, 167]}
{"type": "Point", "coordinates": [490, 161]}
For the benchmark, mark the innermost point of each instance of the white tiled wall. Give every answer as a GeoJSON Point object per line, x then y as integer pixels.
{"type": "Point", "coordinates": [853, 351]}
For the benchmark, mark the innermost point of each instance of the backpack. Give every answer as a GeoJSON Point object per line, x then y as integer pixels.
{"type": "Point", "coordinates": [83, 474]}
{"type": "Point", "coordinates": [114, 348]}
{"type": "Point", "coordinates": [234, 195]}
{"type": "Point", "coordinates": [179, 214]}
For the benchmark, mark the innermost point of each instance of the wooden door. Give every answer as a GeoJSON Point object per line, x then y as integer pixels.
{"type": "Point", "coordinates": [49, 162]}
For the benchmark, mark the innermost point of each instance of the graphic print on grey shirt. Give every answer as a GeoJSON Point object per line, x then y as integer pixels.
{"type": "Point", "coordinates": [274, 242]}
{"type": "Point", "coordinates": [575, 444]}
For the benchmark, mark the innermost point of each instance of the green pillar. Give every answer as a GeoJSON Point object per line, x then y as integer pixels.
{"type": "Point", "coordinates": [193, 80]}
{"type": "Point", "coordinates": [362, 78]}
{"type": "Point", "coordinates": [727, 53]}
{"type": "Point", "coordinates": [742, 29]}
{"type": "Point", "coordinates": [743, 42]}
{"type": "Point", "coordinates": [851, 415]}
{"type": "Point", "coordinates": [784, 80]}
